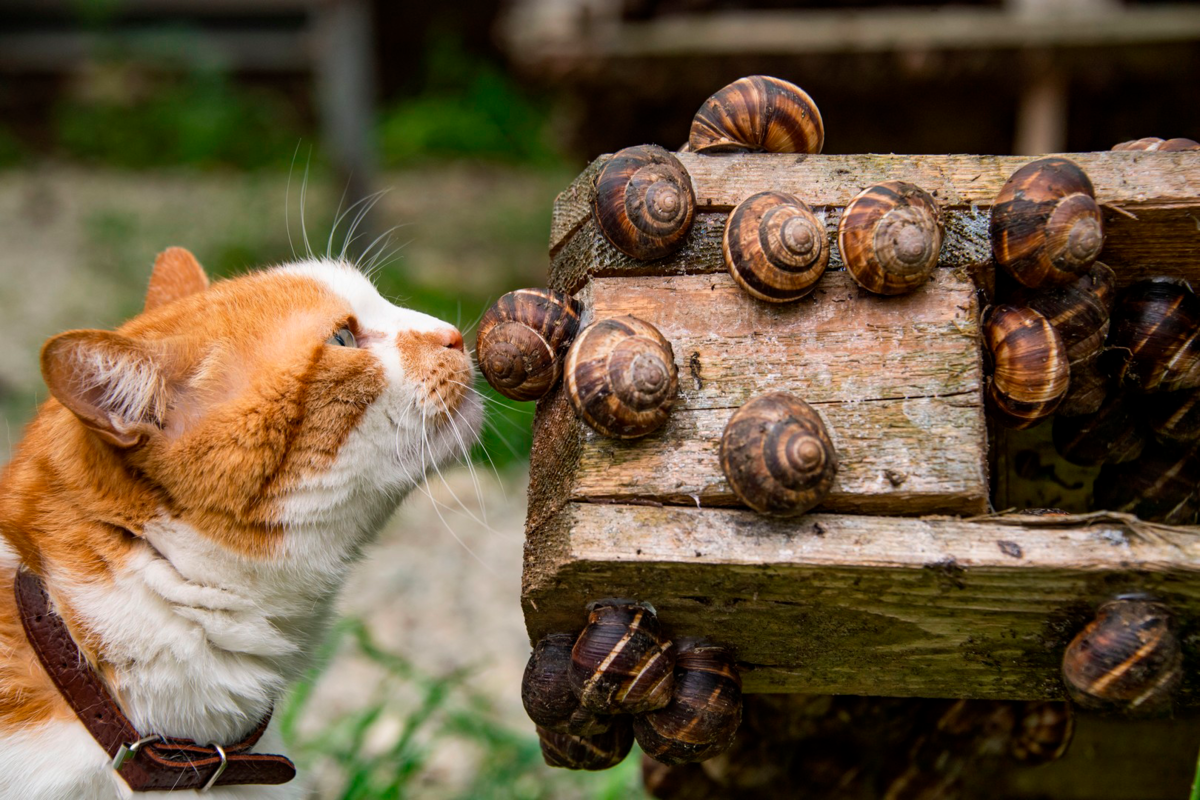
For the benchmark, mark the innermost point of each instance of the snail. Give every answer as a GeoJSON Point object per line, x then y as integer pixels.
{"type": "Point", "coordinates": [1162, 485]}
{"type": "Point", "coordinates": [1046, 227]}
{"type": "Point", "coordinates": [1111, 435]}
{"type": "Point", "coordinates": [889, 237]}
{"type": "Point", "coordinates": [644, 202]}
{"type": "Point", "coordinates": [546, 692]}
{"type": "Point", "coordinates": [1043, 732]}
{"type": "Point", "coordinates": [704, 712]}
{"type": "Point", "coordinates": [1155, 337]}
{"type": "Point", "coordinates": [621, 377]}
{"type": "Point", "coordinates": [1030, 370]}
{"type": "Point", "coordinates": [1079, 310]}
{"type": "Point", "coordinates": [619, 663]}
{"type": "Point", "coordinates": [777, 455]}
{"type": "Point", "coordinates": [522, 340]}
{"type": "Point", "coordinates": [1127, 660]}
{"type": "Point", "coordinates": [758, 114]}
{"type": "Point", "coordinates": [1175, 416]}
{"type": "Point", "coordinates": [1087, 389]}
{"type": "Point", "coordinates": [775, 247]}
{"type": "Point", "coordinates": [1154, 144]}
{"type": "Point", "coordinates": [600, 751]}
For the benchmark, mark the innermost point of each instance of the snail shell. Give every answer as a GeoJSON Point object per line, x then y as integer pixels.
{"type": "Point", "coordinates": [1128, 659]}
{"type": "Point", "coordinates": [1175, 417]}
{"type": "Point", "coordinates": [1154, 144]}
{"type": "Point", "coordinates": [1087, 389]}
{"type": "Point", "coordinates": [758, 114]}
{"type": "Point", "coordinates": [644, 202]}
{"type": "Point", "coordinates": [1080, 310]}
{"type": "Point", "coordinates": [777, 455]}
{"type": "Point", "coordinates": [775, 247]}
{"type": "Point", "coordinates": [546, 691]}
{"type": "Point", "coordinates": [704, 712]}
{"type": "Point", "coordinates": [522, 340]}
{"type": "Point", "coordinates": [1163, 485]}
{"type": "Point", "coordinates": [1043, 732]}
{"type": "Point", "coordinates": [600, 751]}
{"type": "Point", "coordinates": [1155, 338]}
{"type": "Point", "coordinates": [619, 663]}
{"type": "Point", "coordinates": [1046, 227]}
{"type": "Point", "coordinates": [1030, 369]}
{"type": "Point", "coordinates": [889, 236]}
{"type": "Point", "coordinates": [1111, 435]}
{"type": "Point", "coordinates": [621, 377]}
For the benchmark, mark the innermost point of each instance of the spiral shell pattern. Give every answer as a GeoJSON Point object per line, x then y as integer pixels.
{"type": "Point", "coordinates": [621, 377]}
{"type": "Point", "coordinates": [523, 339]}
{"type": "Point", "coordinates": [758, 114]}
{"type": "Point", "coordinates": [775, 247]}
{"type": "Point", "coordinates": [890, 236]}
{"type": "Point", "coordinates": [777, 455]}
{"type": "Point", "coordinates": [644, 202]}
{"type": "Point", "coordinates": [1030, 368]}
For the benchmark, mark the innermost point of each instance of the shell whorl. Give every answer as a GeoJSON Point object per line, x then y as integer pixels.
{"type": "Point", "coordinates": [890, 236]}
{"type": "Point", "coordinates": [644, 202]}
{"type": "Point", "coordinates": [522, 340]}
{"type": "Point", "coordinates": [1031, 372]}
{"type": "Point", "coordinates": [758, 114]}
{"type": "Point", "coordinates": [775, 247]}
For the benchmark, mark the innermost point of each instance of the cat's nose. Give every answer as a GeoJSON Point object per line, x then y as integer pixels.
{"type": "Point", "coordinates": [451, 338]}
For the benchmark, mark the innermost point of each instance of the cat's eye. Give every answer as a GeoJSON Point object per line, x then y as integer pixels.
{"type": "Point", "coordinates": [342, 338]}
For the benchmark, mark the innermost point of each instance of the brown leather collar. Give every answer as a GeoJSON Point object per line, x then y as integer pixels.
{"type": "Point", "coordinates": [151, 763]}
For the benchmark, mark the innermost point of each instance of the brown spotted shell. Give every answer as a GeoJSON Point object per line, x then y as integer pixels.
{"type": "Point", "coordinates": [1127, 660]}
{"type": "Point", "coordinates": [1162, 485]}
{"type": "Point", "coordinates": [621, 377]}
{"type": "Point", "coordinates": [1155, 145]}
{"type": "Point", "coordinates": [1154, 344]}
{"type": "Point", "coordinates": [775, 247]}
{"type": "Point", "coordinates": [758, 114]}
{"type": "Point", "coordinates": [546, 691]}
{"type": "Point", "coordinates": [594, 752]}
{"type": "Point", "coordinates": [1043, 731]}
{"type": "Point", "coordinates": [705, 709]}
{"type": "Point", "coordinates": [1047, 229]}
{"type": "Point", "coordinates": [777, 455]}
{"type": "Point", "coordinates": [523, 339]}
{"type": "Point", "coordinates": [644, 203]}
{"type": "Point", "coordinates": [1030, 372]}
{"type": "Point", "coordinates": [890, 236]}
{"type": "Point", "coordinates": [620, 664]}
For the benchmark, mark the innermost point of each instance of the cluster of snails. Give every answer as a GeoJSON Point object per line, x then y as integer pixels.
{"type": "Point", "coordinates": [823, 747]}
{"type": "Point", "coordinates": [620, 679]}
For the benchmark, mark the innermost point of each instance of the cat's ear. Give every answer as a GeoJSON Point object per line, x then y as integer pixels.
{"type": "Point", "coordinates": [176, 274]}
{"type": "Point", "coordinates": [113, 384]}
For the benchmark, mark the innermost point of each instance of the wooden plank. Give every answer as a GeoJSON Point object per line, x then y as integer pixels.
{"type": "Point", "coordinates": [838, 604]}
{"type": "Point", "coordinates": [1152, 208]}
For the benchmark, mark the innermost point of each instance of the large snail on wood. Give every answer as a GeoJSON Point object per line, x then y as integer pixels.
{"type": "Point", "coordinates": [890, 236]}
{"type": "Point", "coordinates": [621, 377]}
{"type": "Point", "coordinates": [777, 455]}
{"type": "Point", "coordinates": [1155, 339]}
{"type": "Point", "coordinates": [775, 247]}
{"type": "Point", "coordinates": [546, 690]}
{"type": "Point", "coordinates": [1030, 369]}
{"type": "Point", "coordinates": [644, 202]}
{"type": "Point", "coordinates": [1046, 227]}
{"type": "Point", "coordinates": [758, 114]}
{"type": "Point", "coordinates": [1127, 660]}
{"type": "Point", "coordinates": [620, 664]}
{"type": "Point", "coordinates": [522, 340]}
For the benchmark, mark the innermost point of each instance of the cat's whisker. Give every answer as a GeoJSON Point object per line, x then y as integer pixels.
{"type": "Point", "coordinates": [385, 237]}
{"type": "Point", "coordinates": [474, 478]}
{"type": "Point", "coordinates": [364, 206]}
{"type": "Point", "coordinates": [287, 201]}
{"type": "Point", "coordinates": [369, 202]}
{"type": "Point", "coordinates": [337, 219]}
{"type": "Point", "coordinates": [465, 456]}
{"type": "Point", "coordinates": [303, 202]}
{"type": "Point", "coordinates": [386, 258]}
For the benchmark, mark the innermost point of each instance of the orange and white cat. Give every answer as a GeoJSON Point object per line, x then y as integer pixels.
{"type": "Point", "coordinates": [194, 493]}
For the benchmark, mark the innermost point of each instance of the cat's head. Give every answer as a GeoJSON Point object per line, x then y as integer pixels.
{"type": "Point", "coordinates": [294, 397]}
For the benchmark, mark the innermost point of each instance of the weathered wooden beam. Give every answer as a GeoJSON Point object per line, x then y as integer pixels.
{"type": "Point", "coordinates": [858, 604]}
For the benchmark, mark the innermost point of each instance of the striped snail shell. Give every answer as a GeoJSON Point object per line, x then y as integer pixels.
{"type": "Point", "coordinates": [1030, 370]}
{"type": "Point", "coordinates": [1155, 337]}
{"type": "Point", "coordinates": [1127, 660]}
{"type": "Point", "coordinates": [890, 236]}
{"type": "Point", "coordinates": [621, 377]}
{"type": "Point", "coordinates": [1111, 435]}
{"type": "Point", "coordinates": [644, 202]}
{"type": "Point", "coordinates": [522, 340]}
{"type": "Point", "coordinates": [1175, 416]}
{"type": "Point", "coordinates": [1043, 732]}
{"type": "Point", "coordinates": [758, 114]}
{"type": "Point", "coordinates": [1154, 144]}
{"type": "Point", "coordinates": [596, 752]}
{"type": "Point", "coordinates": [1080, 310]}
{"type": "Point", "coordinates": [1087, 389]}
{"type": "Point", "coordinates": [620, 664]}
{"type": "Point", "coordinates": [1162, 485]}
{"type": "Point", "coordinates": [1046, 227]}
{"type": "Point", "coordinates": [775, 247]}
{"type": "Point", "coordinates": [546, 691]}
{"type": "Point", "coordinates": [705, 709]}
{"type": "Point", "coordinates": [777, 455]}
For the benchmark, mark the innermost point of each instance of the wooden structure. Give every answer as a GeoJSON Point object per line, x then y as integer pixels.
{"type": "Point", "coordinates": [902, 583]}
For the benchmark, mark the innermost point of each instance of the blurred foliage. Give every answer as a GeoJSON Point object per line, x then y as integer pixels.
{"type": "Point", "coordinates": [372, 758]}
{"type": "Point", "coordinates": [467, 108]}
{"type": "Point", "coordinates": [12, 151]}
